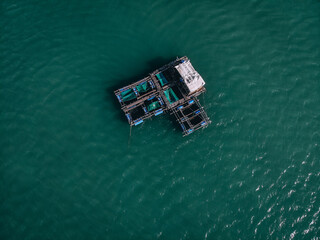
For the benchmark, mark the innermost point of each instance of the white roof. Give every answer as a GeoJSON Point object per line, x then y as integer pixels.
{"type": "Point", "coordinates": [191, 77]}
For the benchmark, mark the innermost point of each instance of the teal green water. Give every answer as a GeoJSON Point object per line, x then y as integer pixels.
{"type": "Point", "coordinates": [68, 169]}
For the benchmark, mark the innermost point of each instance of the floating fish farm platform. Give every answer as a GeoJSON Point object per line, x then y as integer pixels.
{"type": "Point", "coordinates": [173, 89]}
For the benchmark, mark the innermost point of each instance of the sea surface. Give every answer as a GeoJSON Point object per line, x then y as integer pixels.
{"type": "Point", "coordinates": [69, 168]}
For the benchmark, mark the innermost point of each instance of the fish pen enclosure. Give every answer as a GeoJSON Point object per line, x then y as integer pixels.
{"type": "Point", "coordinates": [173, 88]}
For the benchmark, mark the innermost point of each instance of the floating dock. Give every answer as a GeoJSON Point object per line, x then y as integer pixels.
{"type": "Point", "coordinates": [173, 89]}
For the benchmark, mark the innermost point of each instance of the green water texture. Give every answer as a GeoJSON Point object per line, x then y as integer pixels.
{"type": "Point", "coordinates": [68, 166]}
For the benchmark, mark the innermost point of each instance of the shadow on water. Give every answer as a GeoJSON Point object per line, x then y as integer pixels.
{"type": "Point", "coordinates": [175, 125]}
{"type": "Point", "coordinates": [151, 65]}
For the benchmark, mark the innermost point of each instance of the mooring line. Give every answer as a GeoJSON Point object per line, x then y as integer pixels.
{"type": "Point", "coordinates": [129, 136]}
